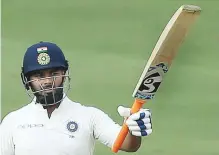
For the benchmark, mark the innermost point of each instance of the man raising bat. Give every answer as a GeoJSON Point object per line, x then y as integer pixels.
{"type": "Point", "coordinates": [54, 124]}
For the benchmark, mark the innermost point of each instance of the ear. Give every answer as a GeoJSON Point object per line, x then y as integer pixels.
{"type": "Point", "coordinates": [23, 79]}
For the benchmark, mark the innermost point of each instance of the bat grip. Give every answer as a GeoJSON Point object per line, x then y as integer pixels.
{"type": "Point", "coordinates": [124, 131]}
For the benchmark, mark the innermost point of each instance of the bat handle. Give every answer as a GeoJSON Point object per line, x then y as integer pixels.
{"type": "Point", "coordinates": [124, 131]}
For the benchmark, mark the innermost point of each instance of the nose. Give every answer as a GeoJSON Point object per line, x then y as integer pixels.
{"type": "Point", "coordinates": [47, 81]}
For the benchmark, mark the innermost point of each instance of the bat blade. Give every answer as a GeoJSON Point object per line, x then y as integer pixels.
{"type": "Point", "coordinates": [165, 51]}
{"type": "Point", "coordinates": [160, 61]}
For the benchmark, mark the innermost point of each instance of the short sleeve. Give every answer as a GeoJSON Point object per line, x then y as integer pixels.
{"type": "Point", "coordinates": [6, 138]}
{"type": "Point", "coordinates": [105, 129]}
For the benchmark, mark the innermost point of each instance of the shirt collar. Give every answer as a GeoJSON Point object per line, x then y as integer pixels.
{"type": "Point", "coordinates": [63, 104]}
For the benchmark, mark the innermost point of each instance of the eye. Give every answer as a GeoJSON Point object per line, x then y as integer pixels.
{"type": "Point", "coordinates": [35, 76]}
{"type": "Point", "coordinates": [55, 73]}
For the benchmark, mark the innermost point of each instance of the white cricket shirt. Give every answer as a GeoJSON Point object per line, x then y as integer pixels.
{"type": "Point", "coordinates": [71, 130]}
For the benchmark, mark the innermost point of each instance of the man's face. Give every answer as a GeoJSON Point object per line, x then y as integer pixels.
{"type": "Point", "coordinates": [46, 81]}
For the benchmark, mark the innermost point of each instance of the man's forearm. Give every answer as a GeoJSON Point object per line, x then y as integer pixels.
{"type": "Point", "coordinates": [131, 143]}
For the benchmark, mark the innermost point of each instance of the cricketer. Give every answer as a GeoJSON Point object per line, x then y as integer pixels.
{"type": "Point", "coordinates": [52, 124]}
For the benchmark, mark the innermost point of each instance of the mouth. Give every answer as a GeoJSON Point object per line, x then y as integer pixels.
{"type": "Point", "coordinates": [47, 91]}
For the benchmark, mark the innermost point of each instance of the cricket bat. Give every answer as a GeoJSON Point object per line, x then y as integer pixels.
{"type": "Point", "coordinates": [160, 61]}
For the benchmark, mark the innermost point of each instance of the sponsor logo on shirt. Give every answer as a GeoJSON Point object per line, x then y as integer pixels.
{"type": "Point", "coordinates": [25, 126]}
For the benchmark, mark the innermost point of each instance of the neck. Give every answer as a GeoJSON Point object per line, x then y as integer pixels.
{"type": "Point", "coordinates": [51, 108]}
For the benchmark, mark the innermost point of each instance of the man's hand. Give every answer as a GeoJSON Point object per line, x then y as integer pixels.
{"type": "Point", "coordinates": [139, 123]}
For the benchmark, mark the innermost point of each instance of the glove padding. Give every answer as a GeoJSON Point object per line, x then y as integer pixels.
{"type": "Point", "coordinates": [139, 123]}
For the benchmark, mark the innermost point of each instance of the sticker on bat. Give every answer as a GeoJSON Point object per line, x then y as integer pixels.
{"type": "Point", "coordinates": [151, 82]}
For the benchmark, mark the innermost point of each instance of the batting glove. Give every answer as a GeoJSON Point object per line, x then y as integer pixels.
{"type": "Point", "coordinates": [139, 123]}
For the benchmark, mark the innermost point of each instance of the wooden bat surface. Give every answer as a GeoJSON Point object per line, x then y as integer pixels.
{"type": "Point", "coordinates": [160, 61]}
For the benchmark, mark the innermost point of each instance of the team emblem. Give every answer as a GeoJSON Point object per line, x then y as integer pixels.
{"type": "Point", "coordinates": [72, 126]}
{"type": "Point", "coordinates": [43, 58]}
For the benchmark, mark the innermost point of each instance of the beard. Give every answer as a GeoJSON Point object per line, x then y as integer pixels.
{"type": "Point", "coordinates": [49, 98]}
